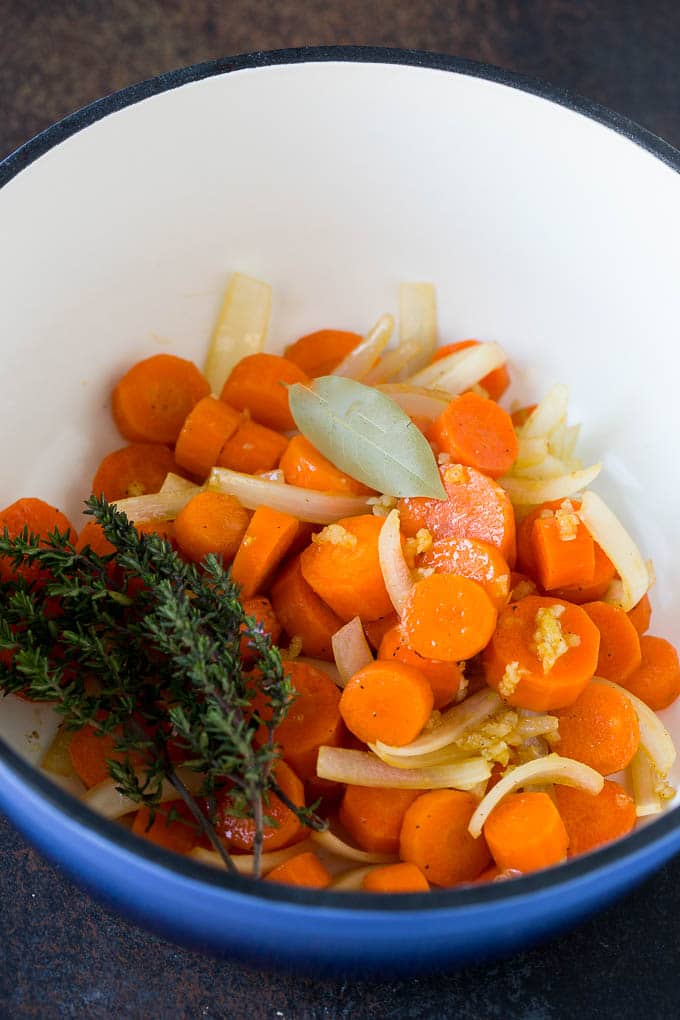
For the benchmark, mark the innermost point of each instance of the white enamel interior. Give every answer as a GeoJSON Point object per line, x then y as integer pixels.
{"type": "Point", "coordinates": [542, 230]}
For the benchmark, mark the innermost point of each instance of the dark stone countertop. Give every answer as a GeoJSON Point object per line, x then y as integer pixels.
{"type": "Point", "coordinates": [63, 955]}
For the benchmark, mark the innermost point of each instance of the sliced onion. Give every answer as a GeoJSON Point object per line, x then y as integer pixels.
{"type": "Point", "coordinates": [531, 492]}
{"type": "Point", "coordinates": [395, 571]}
{"type": "Point", "coordinates": [444, 756]}
{"type": "Point", "coordinates": [244, 862]}
{"type": "Point", "coordinates": [350, 650]}
{"type": "Point", "coordinates": [333, 844]}
{"type": "Point", "coordinates": [549, 467]}
{"type": "Point", "coordinates": [362, 359]}
{"type": "Point", "coordinates": [105, 799]}
{"type": "Point", "coordinates": [57, 758]}
{"type": "Point", "coordinates": [175, 483]}
{"type": "Point", "coordinates": [462, 369]}
{"type": "Point", "coordinates": [547, 415]}
{"type": "Point", "coordinates": [417, 401]}
{"type": "Point", "coordinates": [393, 363]}
{"type": "Point", "coordinates": [352, 880]}
{"type": "Point", "coordinates": [361, 769]}
{"type": "Point", "coordinates": [531, 451]}
{"type": "Point", "coordinates": [276, 475]}
{"type": "Point", "coordinates": [329, 668]}
{"type": "Point", "coordinates": [455, 722]}
{"type": "Point", "coordinates": [157, 506]}
{"type": "Point", "coordinates": [610, 534]}
{"type": "Point", "coordinates": [563, 440]}
{"type": "Point", "coordinates": [551, 769]}
{"type": "Point", "coordinates": [654, 737]}
{"type": "Point", "coordinates": [645, 780]}
{"type": "Point", "coordinates": [418, 319]}
{"type": "Point", "coordinates": [305, 504]}
{"type": "Point", "coordinates": [240, 329]}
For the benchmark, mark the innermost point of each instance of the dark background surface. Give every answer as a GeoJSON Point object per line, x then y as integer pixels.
{"type": "Point", "coordinates": [65, 956]}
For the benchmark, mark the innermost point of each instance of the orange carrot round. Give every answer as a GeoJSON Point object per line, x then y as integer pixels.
{"type": "Point", "coordinates": [563, 550]}
{"type": "Point", "coordinates": [434, 835]}
{"type": "Point", "coordinates": [173, 827]}
{"type": "Point", "coordinates": [133, 470]}
{"type": "Point", "coordinates": [524, 832]}
{"type": "Point", "coordinates": [204, 432]}
{"type": "Point", "coordinates": [305, 870]}
{"type": "Point", "coordinates": [91, 534]}
{"type": "Point", "coordinates": [40, 519]}
{"type": "Point", "coordinates": [475, 507]}
{"type": "Point", "coordinates": [600, 728]}
{"type": "Point", "coordinates": [448, 617]}
{"type": "Point", "coordinates": [269, 536]}
{"type": "Point", "coordinates": [476, 432]}
{"type": "Point", "coordinates": [387, 701]}
{"type": "Point", "coordinates": [252, 448]}
{"type": "Point", "coordinates": [596, 588]}
{"type": "Point", "coordinates": [321, 352]}
{"type": "Point", "coordinates": [641, 615]}
{"type": "Point", "coordinates": [342, 565]}
{"type": "Point", "coordinates": [261, 610]}
{"type": "Point", "coordinates": [373, 816]}
{"type": "Point", "coordinates": [303, 465]}
{"type": "Point", "coordinates": [152, 400]}
{"type": "Point", "coordinates": [542, 654]}
{"type": "Point", "coordinates": [656, 681]}
{"type": "Point", "coordinates": [495, 382]}
{"type": "Point", "coordinates": [471, 558]}
{"type": "Point", "coordinates": [395, 878]}
{"type": "Point", "coordinates": [375, 630]}
{"type": "Point", "coordinates": [211, 522]}
{"type": "Point", "coordinates": [90, 750]}
{"type": "Point", "coordinates": [594, 819]}
{"type": "Point", "coordinates": [445, 678]}
{"type": "Point", "coordinates": [619, 654]}
{"type": "Point", "coordinates": [258, 383]}
{"type": "Point", "coordinates": [302, 613]}
{"type": "Point", "coordinates": [238, 833]}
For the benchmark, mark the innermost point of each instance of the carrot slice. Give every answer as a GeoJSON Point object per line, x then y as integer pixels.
{"type": "Point", "coordinates": [448, 617]}
{"type": "Point", "coordinates": [342, 565]}
{"type": "Point", "coordinates": [475, 507]}
{"type": "Point", "coordinates": [252, 448]}
{"type": "Point", "coordinates": [373, 816]}
{"type": "Point", "coordinates": [206, 429]}
{"type": "Point", "coordinates": [93, 536]}
{"type": "Point", "coordinates": [375, 630]}
{"type": "Point", "coordinates": [656, 681]}
{"type": "Point", "coordinates": [594, 819]}
{"type": "Point", "coordinates": [435, 837]}
{"type": "Point", "coordinates": [211, 522]}
{"type": "Point", "coordinates": [395, 878]}
{"type": "Point", "coordinates": [304, 870]}
{"type": "Point", "coordinates": [134, 470]}
{"type": "Point", "coordinates": [542, 654]}
{"type": "Point", "coordinates": [564, 551]}
{"type": "Point", "coordinates": [321, 352]}
{"type": "Point", "coordinates": [268, 538]}
{"type": "Point", "coordinates": [173, 827]}
{"type": "Point", "coordinates": [520, 416]}
{"type": "Point", "coordinates": [262, 611]}
{"type": "Point", "coordinates": [258, 382]}
{"type": "Point", "coordinates": [90, 750]}
{"type": "Point", "coordinates": [152, 400]}
{"type": "Point", "coordinates": [620, 653]}
{"type": "Point", "coordinates": [473, 559]}
{"type": "Point", "coordinates": [386, 701]}
{"type": "Point", "coordinates": [238, 833]}
{"type": "Point", "coordinates": [641, 615]}
{"type": "Point", "coordinates": [495, 383]}
{"type": "Point", "coordinates": [600, 728]}
{"type": "Point", "coordinates": [476, 432]}
{"type": "Point", "coordinates": [594, 589]}
{"type": "Point", "coordinates": [445, 678]}
{"type": "Point", "coordinates": [303, 465]}
{"type": "Point", "coordinates": [40, 519]}
{"type": "Point", "coordinates": [302, 613]}
{"type": "Point", "coordinates": [525, 833]}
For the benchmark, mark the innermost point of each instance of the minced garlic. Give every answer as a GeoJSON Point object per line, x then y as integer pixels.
{"type": "Point", "coordinates": [456, 475]}
{"type": "Point", "coordinates": [549, 638]}
{"type": "Point", "coordinates": [382, 504]}
{"type": "Point", "coordinates": [335, 534]}
{"type": "Point", "coordinates": [512, 675]}
{"type": "Point", "coordinates": [416, 545]}
{"type": "Point", "coordinates": [567, 521]}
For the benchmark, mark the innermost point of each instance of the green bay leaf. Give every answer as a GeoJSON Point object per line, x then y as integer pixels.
{"type": "Point", "coordinates": [365, 434]}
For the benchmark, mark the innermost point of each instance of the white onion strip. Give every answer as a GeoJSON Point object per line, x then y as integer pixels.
{"type": "Point", "coordinates": [444, 756]}
{"type": "Point", "coordinates": [334, 845]}
{"type": "Point", "coordinates": [244, 862]}
{"type": "Point", "coordinates": [455, 722]}
{"type": "Point", "coordinates": [352, 880]}
{"type": "Point", "coordinates": [417, 401]}
{"type": "Point", "coordinates": [361, 769]}
{"type": "Point", "coordinates": [305, 504]}
{"type": "Point", "coordinates": [351, 650]}
{"type": "Point", "coordinates": [549, 467]}
{"type": "Point", "coordinates": [644, 780]}
{"type": "Point", "coordinates": [418, 319]}
{"type": "Point", "coordinates": [551, 769]}
{"type": "Point", "coordinates": [240, 329]}
{"type": "Point", "coordinates": [531, 492]}
{"type": "Point", "coordinates": [105, 799]}
{"type": "Point", "coordinates": [156, 506]}
{"type": "Point", "coordinates": [462, 369]}
{"type": "Point", "coordinates": [530, 451]}
{"type": "Point", "coordinates": [610, 534]}
{"type": "Point", "coordinates": [395, 571]}
{"type": "Point", "coordinates": [392, 363]}
{"type": "Point", "coordinates": [175, 483]}
{"type": "Point", "coordinates": [654, 737]}
{"type": "Point", "coordinates": [362, 359]}
{"type": "Point", "coordinates": [547, 415]}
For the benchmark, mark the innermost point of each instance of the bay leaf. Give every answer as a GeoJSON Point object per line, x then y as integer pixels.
{"type": "Point", "coordinates": [367, 435]}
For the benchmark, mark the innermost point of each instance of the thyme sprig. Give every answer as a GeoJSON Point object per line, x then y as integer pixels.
{"type": "Point", "coordinates": [145, 646]}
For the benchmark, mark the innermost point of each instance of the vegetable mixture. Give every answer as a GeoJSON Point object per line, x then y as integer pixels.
{"type": "Point", "coordinates": [341, 620]}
